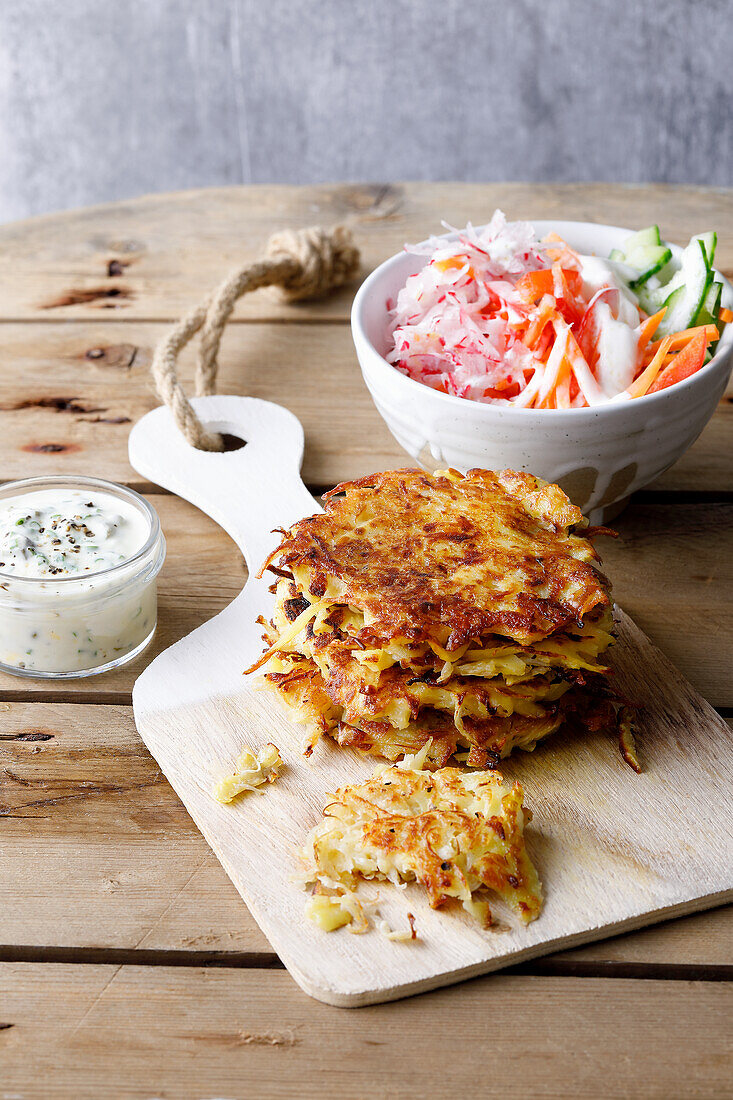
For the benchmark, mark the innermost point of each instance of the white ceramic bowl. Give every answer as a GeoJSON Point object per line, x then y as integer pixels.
{"type": "Point", "coordinates": [599, 455]}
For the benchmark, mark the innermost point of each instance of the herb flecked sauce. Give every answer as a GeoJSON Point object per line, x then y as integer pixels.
{"type": "Point", "coordinates": [52, 535]}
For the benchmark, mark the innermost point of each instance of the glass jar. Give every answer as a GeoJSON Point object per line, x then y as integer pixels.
{"type": "Point", "coordinates": [67, 626]}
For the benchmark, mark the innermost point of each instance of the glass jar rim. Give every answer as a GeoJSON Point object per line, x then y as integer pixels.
{"type": "Point", "coordinates": [50, 481]}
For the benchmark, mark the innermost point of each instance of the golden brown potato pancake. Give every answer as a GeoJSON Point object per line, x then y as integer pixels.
{"type": "Point", "coordinates": [449, 558]}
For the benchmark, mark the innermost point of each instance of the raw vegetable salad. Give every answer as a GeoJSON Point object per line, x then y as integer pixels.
{"type": "Point", "coordinates": [501, 317]}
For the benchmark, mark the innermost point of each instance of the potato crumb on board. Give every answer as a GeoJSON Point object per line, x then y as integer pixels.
{"type": "Point", "coordinates": [336, 907]}
{"type": "Point", "coordinates": [251, 770]}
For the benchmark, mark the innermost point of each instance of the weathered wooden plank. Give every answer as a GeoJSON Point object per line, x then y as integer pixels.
{"type": "Point", "coordinates": [190, 1033]}
{"type": "Point", "coordinates": [70, 392]}
{"type": "Point", "coordinates": [99, 852]}
{"type": "Point", "coordinates": [669, 568]}
{"type": "Point", "coordinates": [668, 576]}
{"type": "Point", "coordinates": [699, 940]}
{"type": "Point", "coordinates": [173, 247]}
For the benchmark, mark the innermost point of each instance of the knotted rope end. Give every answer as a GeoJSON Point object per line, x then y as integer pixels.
{"type": "Point", "coordinates": [322, 260]}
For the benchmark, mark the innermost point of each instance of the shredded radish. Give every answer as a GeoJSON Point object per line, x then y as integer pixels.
{"type": "Point", "coordinates": [500, 317]}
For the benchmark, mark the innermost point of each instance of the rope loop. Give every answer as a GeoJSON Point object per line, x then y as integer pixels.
{"type": "Point", "coordinates": [301, 263]}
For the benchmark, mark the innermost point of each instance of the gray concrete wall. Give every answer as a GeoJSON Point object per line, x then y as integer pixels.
{"type": "Point", "coordinates": [104, 99]}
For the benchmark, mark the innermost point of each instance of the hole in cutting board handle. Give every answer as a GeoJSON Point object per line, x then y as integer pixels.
{"type": "Point", "coordinates": [233, 442]}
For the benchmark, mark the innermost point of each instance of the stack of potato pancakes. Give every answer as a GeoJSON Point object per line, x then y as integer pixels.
{"type": "Point", "coordinates": [462, 610]}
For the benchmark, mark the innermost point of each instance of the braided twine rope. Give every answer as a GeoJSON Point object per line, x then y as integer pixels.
{"type": "Point", "coordinates": [303, 263]}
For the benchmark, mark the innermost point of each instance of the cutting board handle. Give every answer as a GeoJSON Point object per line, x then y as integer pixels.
{"type": "Point", "coordinates": [248, 491]}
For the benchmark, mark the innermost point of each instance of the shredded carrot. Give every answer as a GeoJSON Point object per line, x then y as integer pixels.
{"type": "Point", "coordinates": [562, 389]}
{"type": "Point", "coordinates": [680, 339]}
{"type": "Point", "coordinates": [580, 368]}
{"type": "Point", "coordinates": [685, 363]}
{"type": "Point", "coordinates": [640, 386]}
{"type": "Point", "coordinates": [545, 313]}
{"type": "Point", "coordinates": [649, 327]}
{"type": "Point", "coordinates": [543, 345]}
{"type": "Point", "coordinates": [456, 262]}
{"type": "Point", "coordinates": [725, 315]}
{"type": "Point", "coordinates": [535, 284]}
{"type": "Point", "coordinates": [555, 360]}
{"type": "Point", "coordinates": [563, 253]}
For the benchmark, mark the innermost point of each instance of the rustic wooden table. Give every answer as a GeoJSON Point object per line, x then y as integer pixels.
{"type": "Point", "coordinates": [130, 967]}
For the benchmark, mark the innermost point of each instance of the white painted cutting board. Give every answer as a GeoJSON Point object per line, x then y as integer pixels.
{"type": "Point", "coordinates": [615, 850]}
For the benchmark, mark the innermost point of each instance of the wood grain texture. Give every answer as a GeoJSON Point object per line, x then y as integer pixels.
{"type": "Point", "coordinates": [137, 1033]}
{"type": "Point", "coordinates": [80, 387]}
{"type": "Point", "coordinates": [99, 852]}
{"type": "Point", "coordinates": [178, 246]}
{"type": "Point", "coordinates": [69, 393]}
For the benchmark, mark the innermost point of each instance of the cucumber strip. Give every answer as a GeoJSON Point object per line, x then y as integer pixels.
{"type": "Point", "coordinates": [643, 239]}
{"type": "Point", "coordinates": [708, 311]}
{"type": "Point", "coordinates": [708, 241]}
{"type": "Point", "coordinates": [693, 278]}
{"type": "Point", "coordinates": [648, 260]}
{"type": "Point", "coordinates": [649, 299]}
{"type": "Point", "coordinates": [684, 286]}
{"type": "Point", "coordinates": [668, 272]}
{"type": "Point", "coordinates": [685, 300]}
{"type": "Point", "coordinates": [622, 270]}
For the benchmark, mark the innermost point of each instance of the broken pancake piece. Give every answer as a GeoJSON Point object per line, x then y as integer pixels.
{"type": "Point", "coordinates": [458, 833]}
{"type": "Point", "coordinates": [251, 770]}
